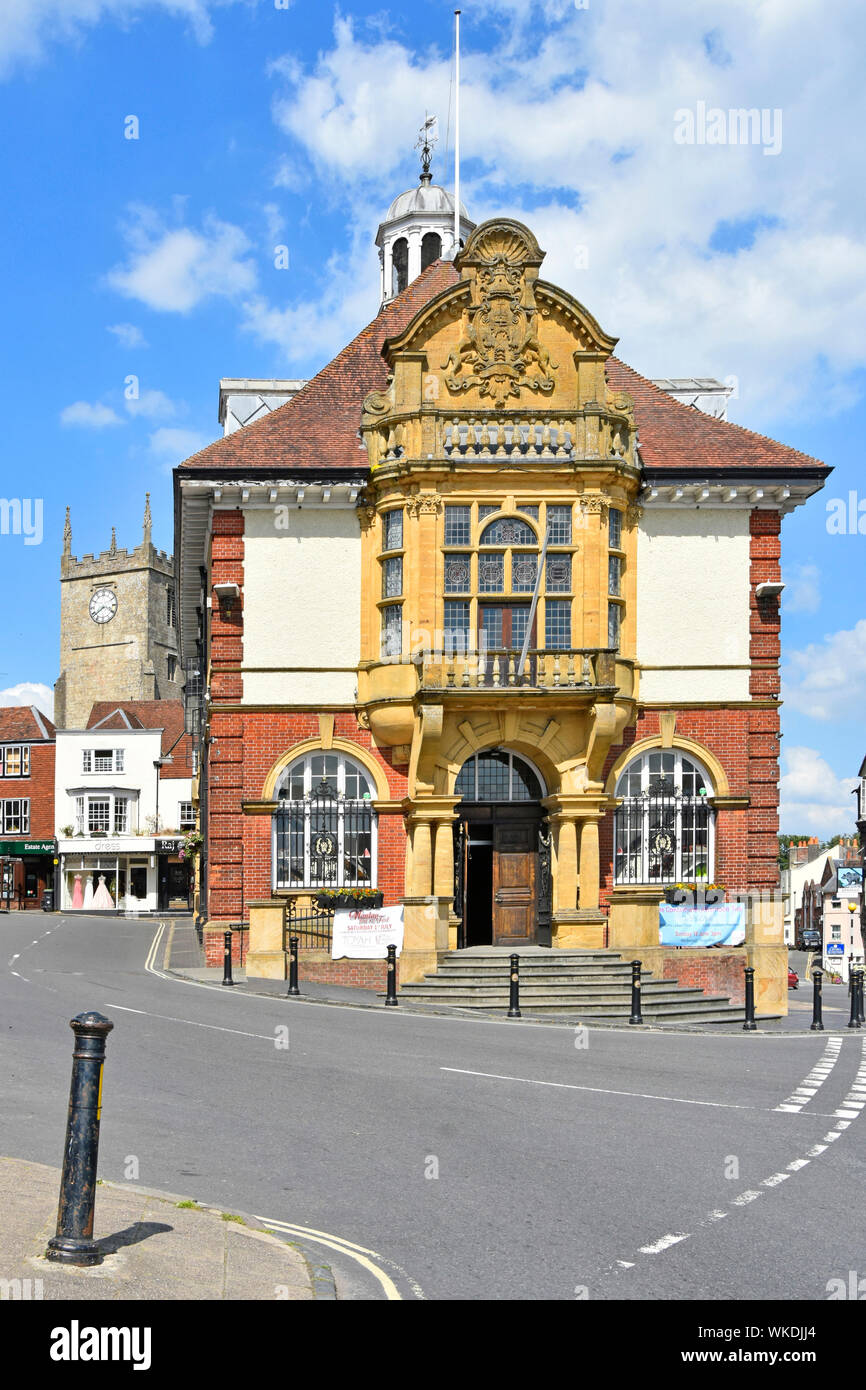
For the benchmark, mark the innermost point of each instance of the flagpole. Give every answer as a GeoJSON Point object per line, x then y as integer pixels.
{"type": "Point", "coordinates": [534, 605]}
{"type": "Point", "coordinates": [456, 131]}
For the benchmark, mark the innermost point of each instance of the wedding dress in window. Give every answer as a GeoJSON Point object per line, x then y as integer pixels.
{"type": "Point", "coordinates": [102, 899]}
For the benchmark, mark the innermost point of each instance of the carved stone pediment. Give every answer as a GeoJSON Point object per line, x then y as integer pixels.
{"type": "Point", "coordinates": [499, 352]}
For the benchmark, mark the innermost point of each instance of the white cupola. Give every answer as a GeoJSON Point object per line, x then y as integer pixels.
{"type": "Point", "coordinates": [418, 227]}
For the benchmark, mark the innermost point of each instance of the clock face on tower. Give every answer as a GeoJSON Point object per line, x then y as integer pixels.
{"type": "Point", "coordinates": [103, 605]}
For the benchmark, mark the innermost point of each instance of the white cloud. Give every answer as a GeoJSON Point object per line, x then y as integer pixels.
{"type": "Point", "coordinates": [29, 693]}
{"type": "Point", "coordinates": [127, 334]}
{"type": "Point", "coordinates": [170, 446]}
{"type": "Point", "coordinates": [802, 589]}
{"type": "Point", "coordinates": [175, 268]}
{"type": "Point", "coordinates": [813, 798]}
{"type": "Point", "coordinates": [827, 680]}
{"type": "Point", "coordinates": [28, 27]}
{"type": "Point", "coordinates": [152, 405]}
{"type": "Point", "coordinates": [590, 160]}
{"type": "Point", "coordinates": [91, 416]}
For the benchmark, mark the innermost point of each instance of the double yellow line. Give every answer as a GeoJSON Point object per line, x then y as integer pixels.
{"type": "Point", "coordinates": [364, 1257]}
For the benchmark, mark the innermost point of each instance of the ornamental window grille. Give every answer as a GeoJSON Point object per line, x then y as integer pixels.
{"type": "Point", "coordinates": [324, 830]}
{"type": "Point", "coordinates": [498, 775]}
{"type": "Point", "coordinates": [559, 574]}
{"type": "Point", "coordinates": [559, 525]}
{"type": "Point", "coordinates": [458, 574]}
{"type": "Point", "coordinates": [458, 525]}
{"type": "Point", "coordinates": [392, 577]}
{"type": "Point", "coordinates": [393, 530]}
{"type": "Point", "coordinates": [508, 531]}
{"type": "Point", "coordinates": [664, 828]}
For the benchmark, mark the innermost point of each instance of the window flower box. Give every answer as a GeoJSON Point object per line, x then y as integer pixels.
{"type": "Point", "coordinates": [698, 895]}
{"type": "Point", "coordinates": [350, 897]}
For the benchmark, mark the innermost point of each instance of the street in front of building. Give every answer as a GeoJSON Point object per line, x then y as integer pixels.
{"type": "Point", "coordinates": [441, 1156]}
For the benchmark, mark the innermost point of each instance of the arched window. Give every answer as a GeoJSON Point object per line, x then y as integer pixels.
{"type": "Point", "coordinates": [399, 265]}
{"type": "Point", "coordinates": [431, 248]}
{"type": "Point", "coordinates": [664, 827]}
{"type": "Point", "coordinates": [325, 826]}
{"type": "Point", "coordinates": [498, 776]}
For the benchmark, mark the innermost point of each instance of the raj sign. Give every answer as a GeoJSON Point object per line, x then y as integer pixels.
{"type": "Point", "coordinates": [724, 925]}
{"type": "Point", "coordinates": [365, 933]}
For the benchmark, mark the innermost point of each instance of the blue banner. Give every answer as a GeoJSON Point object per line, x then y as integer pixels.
{"type": "Point", "coordinates": [702, 926]}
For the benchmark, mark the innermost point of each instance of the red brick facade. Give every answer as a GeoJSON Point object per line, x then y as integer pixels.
{"type": "Point", "coordinates": [19, 726]}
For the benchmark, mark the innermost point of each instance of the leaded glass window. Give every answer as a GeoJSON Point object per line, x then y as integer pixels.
{"type": "Point", "coordinates": [393, 530]}
{"type": "Point", "coordinates": [529, 510]}
{"type": "Point", "coordinates": [559, 525]}
{"type": "Point", "coordinates": [458, 574]}
{"type": "Point", "coordinates": [614, 622]}
{"type": "Point", "coordinates": [491, 574]}
{"type": "Point", "coordinates": [508, 531]}
{"type": "Point", "coordinates": [559, 574]}
{"type": "Point", "coordinates": [487, 509]}
{"type": "Point", "coordinates": [614, 574]}
{"type": "Point", "coordinates": [456, 634]}
{"type": "Point", "coordinates": [524, 571]}
{"type": "Point", "coordinates": [557, 624]}
{"type": "Point", "coordinates": [498, 775]}
{"type": "Point", "coordinates": [392, 630]}
{"type": "Point", "coordinates": [614, 525]}
{"type": "Point", "coordinates": [392, 577]}
{"type": "Point", "coordinates": [458, 525]}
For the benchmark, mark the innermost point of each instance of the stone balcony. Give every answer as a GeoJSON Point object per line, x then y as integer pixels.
{"type": "Point", "coordinates": [575, 669]}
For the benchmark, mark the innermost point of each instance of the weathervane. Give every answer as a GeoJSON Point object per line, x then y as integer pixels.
{"type": "Point", "coordinates": [427, 138]}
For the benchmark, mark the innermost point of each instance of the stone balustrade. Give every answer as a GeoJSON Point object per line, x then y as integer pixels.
{"type": "Point", "coordinates": [584, 668]}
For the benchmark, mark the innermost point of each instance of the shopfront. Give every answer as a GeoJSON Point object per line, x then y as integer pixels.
{"type": "Point", "coordinates": [174, 876]}
{"type": "Point", "coordinates": [27, 870]}
{"type": "Point", "coordinates": [118, 875]}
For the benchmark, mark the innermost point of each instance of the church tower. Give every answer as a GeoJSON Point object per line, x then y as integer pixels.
{"type": "Point", "coordinates": [118, 627]}
{"type": "Point", "coordinates": [418, 228]}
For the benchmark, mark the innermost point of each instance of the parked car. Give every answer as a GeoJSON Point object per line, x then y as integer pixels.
{"type": "Point", "coordinates": [810, 940]}
{"type": "Point", "coordinates": [793, 979]}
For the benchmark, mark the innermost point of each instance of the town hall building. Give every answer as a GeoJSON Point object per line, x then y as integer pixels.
{"type": "Point", "coordinates": [488, 623]}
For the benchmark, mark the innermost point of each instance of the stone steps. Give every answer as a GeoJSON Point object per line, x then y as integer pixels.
{"type": "Point", "coordinates": [584, 984]}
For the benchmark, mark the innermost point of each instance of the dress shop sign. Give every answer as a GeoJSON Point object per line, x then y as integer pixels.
{"type": "Point", "coordinates": [723, 925]}
{"type": "Point", "coordinates": [366, 933]}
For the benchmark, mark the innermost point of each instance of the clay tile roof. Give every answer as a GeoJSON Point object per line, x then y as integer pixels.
{"type": "Point", "coordinates": [25, 723]}
{"type": "Point", "coordinates": [318, 428]}
{"type": "Point", "coordinates": [150, 714]}
{"type": "Point", "coordinates": [674, 435]}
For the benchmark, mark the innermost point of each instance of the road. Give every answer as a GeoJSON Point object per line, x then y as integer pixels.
{"type": "Point", "coordinates": [466, 1159]}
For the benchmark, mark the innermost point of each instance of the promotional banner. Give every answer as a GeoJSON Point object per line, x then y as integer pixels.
{"type": "Point", "coordinates": [365, 933]}
{"type": "Point", "coordinates": [724, 925]}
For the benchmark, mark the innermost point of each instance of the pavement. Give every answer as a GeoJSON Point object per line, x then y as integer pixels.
{"type": "Point", "coordinates": [184, 958]}
{"type": "Point", "coordinates": [156, 1247]}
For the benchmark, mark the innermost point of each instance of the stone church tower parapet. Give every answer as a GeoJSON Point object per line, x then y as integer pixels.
{"type": "Point", "coordinates": [118, 627]}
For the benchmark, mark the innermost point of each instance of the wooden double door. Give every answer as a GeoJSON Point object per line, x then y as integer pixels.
{"type": "Point", "coordinates": [503, 875]}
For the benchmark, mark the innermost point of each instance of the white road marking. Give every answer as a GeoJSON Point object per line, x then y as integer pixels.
{"type": "Point", "coordinates": [191, 1023]}
{"type": "Point", "coordinates": [597, 1090]}
{"type": "Point", "coordinates": [664, 1244]}
{"type": "Point", "coordinates": [811, 1084]}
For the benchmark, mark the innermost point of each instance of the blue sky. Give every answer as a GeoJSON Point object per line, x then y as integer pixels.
{"type": "Point", "coordinates": [262, 125]}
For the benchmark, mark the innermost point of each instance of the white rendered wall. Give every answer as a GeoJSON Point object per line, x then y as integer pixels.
{"type": "Point", "coordinates": [302, 606]}
{"type": "Point", "coordinates": [140, 748]}
{"type": "Point", "coordinates": [693, 603]}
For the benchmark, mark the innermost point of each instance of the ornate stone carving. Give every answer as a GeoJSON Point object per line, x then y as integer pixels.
{"type": "Point", "coordinates": [633, 514]}
{"type": "Point", "coordinates": [366, 516]}
{"type": "Point", "coordinates": [499, 351]}
{"type": "Point", "coordinates": [425, 503]}
{"type": "Point", "coordinates": [378, 403]}
{"type": "Point", "coordinates": [594, 504]}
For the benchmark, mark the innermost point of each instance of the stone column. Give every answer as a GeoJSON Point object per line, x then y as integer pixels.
{"type": "Point", "coordinates": [589, 867]}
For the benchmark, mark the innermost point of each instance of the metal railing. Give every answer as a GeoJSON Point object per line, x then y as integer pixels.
{"type": "Point", "coordinates": [313, 926]}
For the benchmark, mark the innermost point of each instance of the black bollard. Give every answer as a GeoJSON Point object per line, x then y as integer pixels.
{"type": "Point", "coordinates": [73, 1243]}
{"type": "Point", "coordinates": [854, 991]}
{"type": "Point", "coordinates": [514, 990]}
{"type": "Point", "coordinates": [860, 994]}
{"type": "Point", "coordinates": [750, 1026]}
{"type": "Point", "coordinates": [636, 1015]}
{"type": "Point", "coordinates": [817, 1017]}
{"type": "Point", "coordinates": [227, 958]}
{"type": "Point", "coordinates": [391, 996]}
{"type": "Point", "coordinates": [293, 967]}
